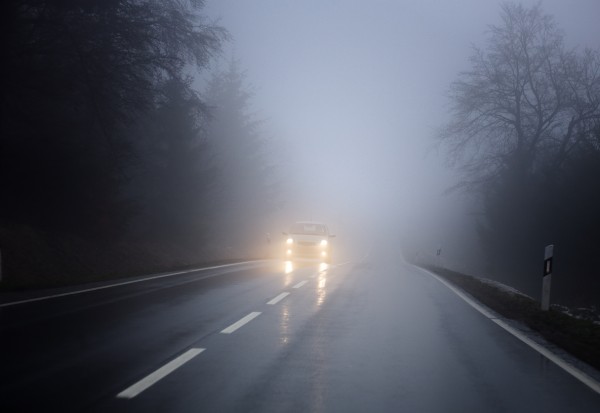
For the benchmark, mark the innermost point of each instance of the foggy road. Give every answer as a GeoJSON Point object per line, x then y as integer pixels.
{"type": "Point", "coordinates": [368, 334]}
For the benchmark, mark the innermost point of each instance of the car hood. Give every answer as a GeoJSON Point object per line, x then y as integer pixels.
{"type": "Point", "coordinates": [308, 238]}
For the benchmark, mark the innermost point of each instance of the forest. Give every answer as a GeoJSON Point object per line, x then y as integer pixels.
{"type": "Point", "coordinates": [128, 143]}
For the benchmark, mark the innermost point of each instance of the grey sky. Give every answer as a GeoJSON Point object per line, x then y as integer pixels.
{"type": "Point", "coordinates": [357, 87]}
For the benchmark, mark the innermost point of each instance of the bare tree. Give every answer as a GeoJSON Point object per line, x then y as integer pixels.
{"type": "Point", "coordinates": [525, 131]}
{"type": "Point", "coordinates": [580, 120]}
{"type": "Point", "coordinates": [512, 100]}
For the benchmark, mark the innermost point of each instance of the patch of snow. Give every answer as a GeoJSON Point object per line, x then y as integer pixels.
{"type": "Point", "coordinates": [582, 313]}
{"type": "Point", "coordinates": [592, 314]}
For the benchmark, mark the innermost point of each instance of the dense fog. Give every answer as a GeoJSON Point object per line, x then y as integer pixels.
{"type": "Point", "coordinates": [362, 99]}
{"type": "Point", "coordinates": [130, 146]}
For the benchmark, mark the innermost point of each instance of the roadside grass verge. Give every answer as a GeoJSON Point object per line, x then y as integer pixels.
{"type": "Point", "coordinates": [34, 260]}
{"type": "Point", "coordinates": [579, 337]}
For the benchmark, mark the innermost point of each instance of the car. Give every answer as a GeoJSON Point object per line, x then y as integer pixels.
{"type": "Point", "coordinates": [308, 239]}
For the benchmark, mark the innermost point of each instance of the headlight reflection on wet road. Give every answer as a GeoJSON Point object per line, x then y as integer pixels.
{"type": "Point", "coordinates": [284, 325]}
{"type": "Point", "coordinates": [288, 267]}
{"type": "Point", "coordinates": [321, 284]}
{"type": "Point", "coordinates": [288, 270]}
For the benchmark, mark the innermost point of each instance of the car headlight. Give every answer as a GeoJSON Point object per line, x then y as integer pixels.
{"type": "Point", "coordinates": [324, 242]}
{"type": "Point", "coordinates": [289, 241]}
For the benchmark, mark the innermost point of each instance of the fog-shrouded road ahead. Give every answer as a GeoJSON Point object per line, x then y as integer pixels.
{"type": "Point", "coordinates": [368, 334]}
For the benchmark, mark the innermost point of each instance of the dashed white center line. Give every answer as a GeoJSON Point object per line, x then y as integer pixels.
{"type": "Point", "coordinates": [241, 322]}
{"type": "Point", "coordinates": [165, 370]}
{"type": "Point", "coordinates": [300, 284]}
{"type": "Point", "coordinates": [278, 298]}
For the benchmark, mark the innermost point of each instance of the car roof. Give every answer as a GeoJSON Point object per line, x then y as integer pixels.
{"type": "Point", "coordinates": [310, 222]}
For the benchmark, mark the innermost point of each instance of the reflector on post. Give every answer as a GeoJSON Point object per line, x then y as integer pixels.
{"type": "Point", "coordinates": [547, 277]}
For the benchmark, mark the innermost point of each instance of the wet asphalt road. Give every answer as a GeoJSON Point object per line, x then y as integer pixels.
{"type": "Point", "coordinates": [372, 334]}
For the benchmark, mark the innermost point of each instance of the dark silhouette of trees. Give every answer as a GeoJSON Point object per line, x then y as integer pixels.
{"type": "Point", "coordinates": [173, 174]}
{"type": "Point", "coordinates": [248, 190]}
{"type": "Point", "coordinates": [77, 73]}
{"type": "Point", "coordinates": [204, 175]}
{"type": "Point", "coordinates": [110, 161]}
{"type": "Point", "coordinates": [524, 133]}
{"type": "Point", "coordinates": [78, 77]}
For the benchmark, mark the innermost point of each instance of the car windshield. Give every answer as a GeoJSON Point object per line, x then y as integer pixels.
{"type": "Point", "coordinates": [308, 229]}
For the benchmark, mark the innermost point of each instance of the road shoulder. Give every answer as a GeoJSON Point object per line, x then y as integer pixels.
{"type": "Point", "coordinates": [581, 370]}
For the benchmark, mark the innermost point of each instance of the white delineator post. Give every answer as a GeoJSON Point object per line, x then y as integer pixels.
{"type": "Point", "coordinates": [547, 278]}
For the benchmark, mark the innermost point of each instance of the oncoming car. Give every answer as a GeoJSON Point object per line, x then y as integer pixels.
{"type": "Point", "coordinates": [308, 240]}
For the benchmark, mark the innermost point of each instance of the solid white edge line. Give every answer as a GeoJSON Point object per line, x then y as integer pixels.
{"type": "Point", "coordinates": [462, 295]}
{"type": "Point", "coordinates": [241, 322]}
{"type": "Point", "coordinates": [157, 375]}
{"type": "Point", "coordinates": [300, 284]}
{"type": "Point", "coordinates": [278, 298]}
{"type": "Point", "coordinates": [566, 366]}
{"type": "Point", "coordinates": [47, 297]}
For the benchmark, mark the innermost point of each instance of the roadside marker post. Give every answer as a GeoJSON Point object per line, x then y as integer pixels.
{"type": "Point", "coordinates": [547, 277]}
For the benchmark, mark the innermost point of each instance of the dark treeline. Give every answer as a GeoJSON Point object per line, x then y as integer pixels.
{"type": "Point", "coordinates": [526, 134]}
{"type": "Point", "coordinates": [111, 162]}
